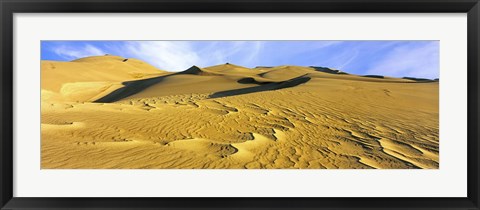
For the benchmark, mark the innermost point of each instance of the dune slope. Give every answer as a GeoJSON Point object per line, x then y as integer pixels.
{"type": "Point", "coordinates": [85, 78]}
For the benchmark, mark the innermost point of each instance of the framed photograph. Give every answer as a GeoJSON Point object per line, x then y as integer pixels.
{"type": "Point", "coordinates": [157, 104]}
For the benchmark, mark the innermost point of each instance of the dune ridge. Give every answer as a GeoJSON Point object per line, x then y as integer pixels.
{"type": "Point", "coordinates": [228, 116]}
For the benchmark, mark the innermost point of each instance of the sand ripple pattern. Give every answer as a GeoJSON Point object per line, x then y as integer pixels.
{"type": "Point", "coordinates": [323, 124]}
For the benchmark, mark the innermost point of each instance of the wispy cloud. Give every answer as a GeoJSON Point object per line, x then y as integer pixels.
{"type": "Point", "coordinates": [245, 52]}
{"type": "Point", "coordinates": [69, 52]}
{"type": "Point", "coordinates": [324, 44]}
{"type": "Point", "coordinates": [173, 56]}
{"type": "Point", "coordinates": [180, 55]}
{"type": "Point", "coordinates": [352, 57]}
{"type": "Point", "coordinates": [410, 60]}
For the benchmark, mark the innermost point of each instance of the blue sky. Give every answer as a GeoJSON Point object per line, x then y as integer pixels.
{"type": "Point", "coordinates": [389, 58]}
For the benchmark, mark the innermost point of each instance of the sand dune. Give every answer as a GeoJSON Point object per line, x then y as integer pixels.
{"type": "Point", "coordinates": [67, 80]}
{"type": "Point", "coordinates": [228, 116]}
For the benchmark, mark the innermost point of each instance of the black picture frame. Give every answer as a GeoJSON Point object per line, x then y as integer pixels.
{"type": "Point", "coordinates": [10, 7]}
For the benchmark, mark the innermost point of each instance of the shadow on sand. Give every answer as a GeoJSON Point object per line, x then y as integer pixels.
{"type": "Point", "coordinates": [419, 79]}
{"type": "Point", "coordinates": [133, 87]}
{"type": "Point", "coordinates": [374, 76]}
{"type": "Point", "coordinates": [327, 70]}
{"type": "Point", "coordinates": [264, 86]}
{"type": "Point", "coordinates": [130, 88]}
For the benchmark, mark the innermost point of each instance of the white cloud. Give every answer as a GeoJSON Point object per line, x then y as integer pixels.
{"type": "Point", "coordinates": [253, 53]}
{"type": "Point", "coordinates": [352, 57]}
{"type": "Point", "coordinates": [324, 44]}
{"type": "Point", "coordinates": [166, 55]}
{"type": "Point", "coordinates": [217, 52]}
{"type": "Point", "coordinates": [180, 55]}
{"type": "Point", "coordinates": [237, 52]}
{"type": "Point", "coordinates": [69, 52]}
{"type": "Point", "coordinates": [410, 60]}
{"type": "Point", "coordinates": [244, 52]}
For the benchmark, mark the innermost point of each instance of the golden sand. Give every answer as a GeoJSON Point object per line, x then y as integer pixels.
{"type": "Point", "coordinates": [105, 112]}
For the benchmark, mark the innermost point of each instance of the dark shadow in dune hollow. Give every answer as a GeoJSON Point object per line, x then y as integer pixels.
{"type": "Point", "coordinates": [265, 86]}
{"type": "Point", "coordinates": [374, 76]}
{"type": "Point", "coordinates": [249, 80]}
{"type": "Point", "coordinates": [419, 79]}
{"type": "Point", "coordinates": [327, 70]}
{"type": "Point", "coordinates": [133, 87]}
{"type": "Point", "coordinates": [130, 88]}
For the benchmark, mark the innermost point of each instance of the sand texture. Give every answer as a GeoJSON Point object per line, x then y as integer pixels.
{"type": "Point", "coordinates": [105, 112]}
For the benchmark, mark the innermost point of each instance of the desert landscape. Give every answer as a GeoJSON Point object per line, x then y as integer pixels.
{"type": "Point", "coordinates": [111, 112]}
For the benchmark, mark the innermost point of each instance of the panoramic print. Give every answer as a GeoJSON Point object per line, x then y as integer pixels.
{"type": "Point", "coordinates": [239, 104]}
